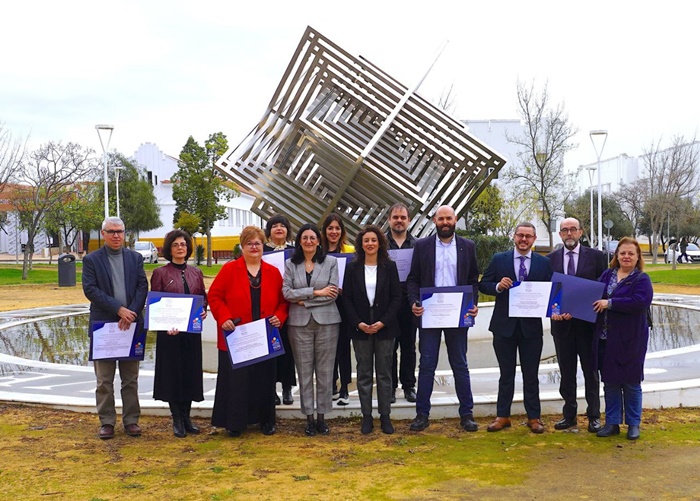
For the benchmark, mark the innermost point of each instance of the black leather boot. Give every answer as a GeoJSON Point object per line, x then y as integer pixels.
{"type": "Point", "coordinates": [190, 427]}
{"type": "Point", "coordinates": [178, 420]}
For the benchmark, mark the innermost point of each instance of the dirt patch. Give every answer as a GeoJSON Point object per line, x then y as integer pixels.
{"type": "Point", "coordinates": [55, 454]}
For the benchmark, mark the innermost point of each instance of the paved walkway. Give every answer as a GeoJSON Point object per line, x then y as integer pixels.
{"type": "Point", "coordinates": [672, 375]}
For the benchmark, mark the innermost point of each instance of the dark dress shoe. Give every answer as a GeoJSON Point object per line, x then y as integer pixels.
{"type": "Point", "coordinates": [420, 423]}
{"type": "Point", "coordinates": [133, 430]}
{"type": "Point", "coordinates": [410, 395]}
{"type": "Point", "coordinates": [233, 433]}
{"type": "Point", "coordinates": [633, 432]}
{"type": "Point", "coordinates": [179, 427]}
{"type": "Point", "coordinates": [367, 424]}
{"type": "Point", "coordinates": [277, 399]}
{"type": "Point", "coordinates": [609, 430]}
{"type": "Point", "coordinates": [106, 432]}
{"type": "Point", "coordinates": [498, 424]}
{"type": "Point", "coordinates": [322, 427]}
{"type": "Point", "coordinates": [467, 422]}
{"type": "Point", "coordinates": [594, 425]}
{"type": "Point", "coordinates": [287, 398]}
{"type": "Point", "coordinates": [385, 422]}
{"type": "Point", "coordinates": [393, 396]}
{"type": "Point", "coordinates": [268, 428]}
{"type": "Point", "coordinates": [565, 424]}
{"type": "Point", "coordinates": [310, 429]}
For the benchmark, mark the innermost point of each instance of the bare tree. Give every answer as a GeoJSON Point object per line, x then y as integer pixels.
{"type": "Point", "coordinates": [11, 155]}
{"type": "Point", "coordinates": [632, 197]}
{"type": "Point", "coordinates": [539, 172]}
{"type": "Point", "coordinates": [448, 99]}
{"type": "Point", "coordinates": [43, 182]}
{"type": "Point", "coordinates": [671, 176]}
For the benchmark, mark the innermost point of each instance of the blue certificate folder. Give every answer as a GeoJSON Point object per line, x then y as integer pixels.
{"type": "Point", "coordinates": [578, 296]}
{"type": "Point", "coordinates": [195, 321]}
{"type": "Point", "coordinates": [138, 343]}
{"type": "Point", "coordinates": [274, 347]}
{"type": "Point", "coordinates": [465, 320]}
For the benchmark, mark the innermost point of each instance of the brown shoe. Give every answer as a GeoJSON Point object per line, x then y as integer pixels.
{"type": "Point", "coordinates": [535, 425]}
{"type": "Point", "coordinates": [106, 432]}
{"type": "Point", "coordinates": [133, 430]}
{"type": "Point", "coordinates": [498, 424]}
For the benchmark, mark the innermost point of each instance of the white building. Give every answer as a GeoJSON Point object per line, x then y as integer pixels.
{"type": "Point", "coordinates": [160, 168]}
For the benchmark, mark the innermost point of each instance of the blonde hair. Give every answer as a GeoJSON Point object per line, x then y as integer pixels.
{"type": "Point", "coordinates": [250, 232]}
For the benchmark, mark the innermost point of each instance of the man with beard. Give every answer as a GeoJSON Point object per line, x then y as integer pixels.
{"type": "Point", "coordinates": [443, 260]}
{"type": "Point", "coordinates": [516, 335]}
{"type": "Point", "coordinates": [573, 337]}
{"type": "Point", "coordinates": [399, 238]}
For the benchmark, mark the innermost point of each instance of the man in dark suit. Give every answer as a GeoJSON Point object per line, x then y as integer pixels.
{"type": "Point", "coordinates": [443, 260]}
{"type": "Point", "coordinates": [115, 283]}
{"type": "Point", "coordinates": [399, 238]}
{"type": "Point", "coordinates": [513, 335]}
{"type": "Point", "coordinates": [574, 337]}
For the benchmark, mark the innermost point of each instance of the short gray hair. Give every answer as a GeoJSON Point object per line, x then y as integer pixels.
{"type": "Point", "coordinates": [112, 220]}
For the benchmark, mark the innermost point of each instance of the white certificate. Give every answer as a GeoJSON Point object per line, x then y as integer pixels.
{"type": "Point", "coordinates": [170, 313]}
{"type": "Point", "coordinates": [109, 341]}
{"type": "Point", "coordinates": [402, 258]}
{"type": "Point", "coordinates": [276, 259]}
{"type": "Point", "coordinates": [248, 341]}
{"type": "Point", "coordinates": [342, 261]}
{"type": "Point", "coordinates": [529, 299]}
{"type": "Point", "coordinates": [442, 310]}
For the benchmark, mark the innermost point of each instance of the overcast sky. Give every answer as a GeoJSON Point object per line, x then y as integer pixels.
{"type": "Point", "coordinates": [160, 71]}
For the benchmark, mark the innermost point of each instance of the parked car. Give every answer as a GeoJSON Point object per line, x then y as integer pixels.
{"type": "Point", "coordinates": [148, 251]}
{"type": "Point", "coordinates": [610, 248]}
{"type": "Point", "coordinates": [693, 252]}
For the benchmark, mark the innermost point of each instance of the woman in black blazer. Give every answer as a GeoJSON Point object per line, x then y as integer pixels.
{"type": "Point", "coordinates": [371, 297]}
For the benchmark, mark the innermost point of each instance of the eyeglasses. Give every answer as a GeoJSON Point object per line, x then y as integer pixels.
{"type": "Point", "coordinates": [523, 236]}
{"type": "Point", "coordinates": [569, 230]}
{"type": "Point", "coordinates": [179, 244]}
{"type": "Point", "coordinates": [114, 232]}
{"type": "Point", "coordinates": [253, 244]}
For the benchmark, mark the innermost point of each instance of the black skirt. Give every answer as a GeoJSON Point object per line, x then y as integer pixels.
{"type": "Point", "coordinates": [178, 376]}
{"type": "Point", "coordinates": [244, 396]}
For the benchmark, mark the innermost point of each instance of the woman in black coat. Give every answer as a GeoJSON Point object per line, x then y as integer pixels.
{"type": "Point", "coordinates": [371, 297]}
{"type": "Point", "coordinates": [178, 375]}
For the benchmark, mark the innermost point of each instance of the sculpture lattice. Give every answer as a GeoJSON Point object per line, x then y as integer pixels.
{"type": "Point", "coordinates": [315, 152]}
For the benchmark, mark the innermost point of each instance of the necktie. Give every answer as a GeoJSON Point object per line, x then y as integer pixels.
{"type": "Point", "coordinates": [570, 268]}
{"type": "Point", "coordinates": [522, 272]}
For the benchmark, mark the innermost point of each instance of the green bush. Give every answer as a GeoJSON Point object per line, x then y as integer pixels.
{"type": "Point", "coordinates": [199, 254]}
{"type": "Point", "coordinates": [487, 246]}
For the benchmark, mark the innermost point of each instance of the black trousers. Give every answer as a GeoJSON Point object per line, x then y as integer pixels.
{"type": "Point", "coordinates": [405, 371]}
{"type": "Point", "coordinates": [571, 346]}
{"type": "Point", "coordinates": [530, 351]}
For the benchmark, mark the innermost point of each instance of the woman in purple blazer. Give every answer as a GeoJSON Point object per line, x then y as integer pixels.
{"type": "Point", "coordinates": [622, 334]}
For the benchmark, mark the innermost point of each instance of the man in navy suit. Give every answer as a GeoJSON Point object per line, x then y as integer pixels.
{"type": "Point", "coordinates": [573, 337]}
{"type": "Point", "coordinates": [513, 335]}
{"type": "Point", "coordinates": [443, 260]}
{"type": "Point", "coordinates": [115, 283]}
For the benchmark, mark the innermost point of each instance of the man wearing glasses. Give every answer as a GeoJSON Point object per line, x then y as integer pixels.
{"type": "Point", "coordinates": [573, 337]}
{"type": "Point", "coordinates": [115, 283]}
{"type": "Point", "coordinates": [512, 335]}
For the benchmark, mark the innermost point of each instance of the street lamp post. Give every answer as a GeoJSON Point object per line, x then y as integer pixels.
{"type": "Point", "coordinates": [591, 170]}
{"type": "Point", "coordinates": [100, 129]}
{"type": "Point", "coordinates": [599, 135]}
{"type": "Point", "coordinates": [116, 176]}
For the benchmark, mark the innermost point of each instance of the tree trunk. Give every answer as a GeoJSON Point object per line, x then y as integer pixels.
{"type": "Point", "coordinates": [208, 248]}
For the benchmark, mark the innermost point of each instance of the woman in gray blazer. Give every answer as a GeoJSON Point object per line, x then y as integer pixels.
{"type": "Point", "coordinates": [311, 287]}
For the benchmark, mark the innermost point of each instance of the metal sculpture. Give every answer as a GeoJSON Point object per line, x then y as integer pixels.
{"type": "Point", "coordinates": [340, 135]}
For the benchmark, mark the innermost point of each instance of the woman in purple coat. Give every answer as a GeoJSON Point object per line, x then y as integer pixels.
{"type": "Point", "coordinates": [622, 334]}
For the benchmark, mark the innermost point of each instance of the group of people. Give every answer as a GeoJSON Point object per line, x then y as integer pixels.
{"type": "Point", "coordinates": [318, 318]}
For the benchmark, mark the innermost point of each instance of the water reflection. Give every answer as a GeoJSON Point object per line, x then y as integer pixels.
{"type": "Point", "coordinates": [64, 340]}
